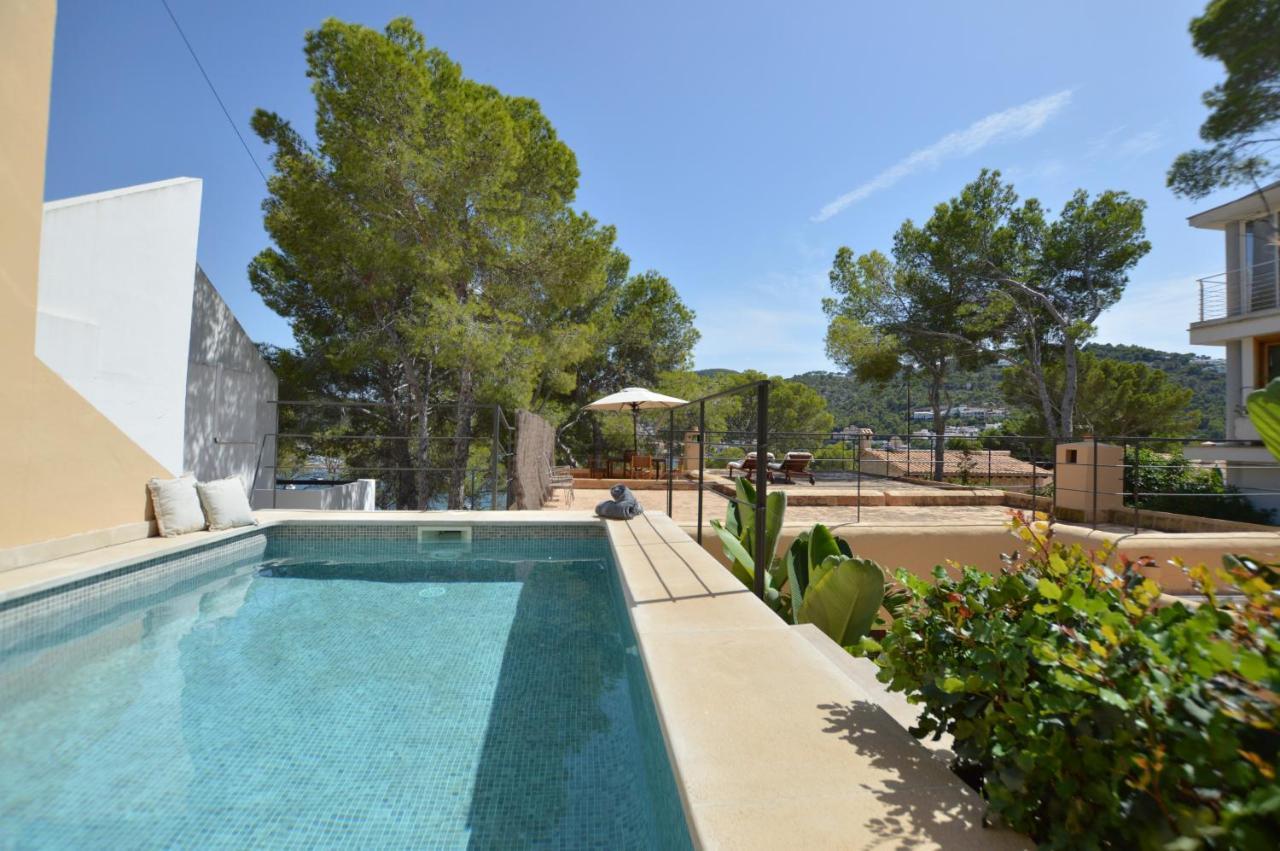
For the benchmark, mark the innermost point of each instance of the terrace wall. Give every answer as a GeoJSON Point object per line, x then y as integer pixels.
{"type": "Point", "coordinates": [68, 468]}
{"type": "Point", "coordinates": [919, 548]}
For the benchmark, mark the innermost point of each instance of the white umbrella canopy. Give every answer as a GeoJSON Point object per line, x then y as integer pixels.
{"type": "Point", "coordinates": [635, 400]}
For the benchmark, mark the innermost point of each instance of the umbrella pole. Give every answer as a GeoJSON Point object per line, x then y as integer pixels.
{"type": "Point", "coordinates": [635, 429]}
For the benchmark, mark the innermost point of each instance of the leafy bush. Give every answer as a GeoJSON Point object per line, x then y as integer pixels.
{"type": "Point", "coordinates": [1095, 718]}
{"type": "Point", "coordinates": [1183, 489]}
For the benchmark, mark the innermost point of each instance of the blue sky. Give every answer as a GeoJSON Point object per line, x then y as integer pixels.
{"type": "Point", "coordinates": [734, 145]}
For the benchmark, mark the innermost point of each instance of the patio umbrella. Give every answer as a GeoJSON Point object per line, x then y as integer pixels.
{"type": "Point", "coordinates": [635, 400]}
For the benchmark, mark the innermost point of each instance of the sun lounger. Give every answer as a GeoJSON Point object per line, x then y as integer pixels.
{"type": "Point", "coordinates": [796, 463]}
{"type": "Point", "coordinates": [747, 466]}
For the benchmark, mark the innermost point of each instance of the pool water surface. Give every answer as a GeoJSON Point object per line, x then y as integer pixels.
{"type": "Point", "coordinates": [299, 690]}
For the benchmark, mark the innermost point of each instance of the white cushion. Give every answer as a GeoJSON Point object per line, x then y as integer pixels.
{"type": "Point", "coordinates": [225, 504]}
{"type": "Point", "coordinates": [176, 505]}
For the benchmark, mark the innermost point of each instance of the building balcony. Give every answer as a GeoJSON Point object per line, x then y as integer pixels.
{"type": "Point", "coordinates": [1236, 293]}
{"type": "Point", "coordinates": [1237, 304]}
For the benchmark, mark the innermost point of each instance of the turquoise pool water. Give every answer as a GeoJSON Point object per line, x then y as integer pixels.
{"type": "Point", "coordinates": [331, 689]}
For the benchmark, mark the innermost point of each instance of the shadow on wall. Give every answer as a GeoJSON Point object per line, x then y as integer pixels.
{"type": "Point", "coordinates": [230, 390]}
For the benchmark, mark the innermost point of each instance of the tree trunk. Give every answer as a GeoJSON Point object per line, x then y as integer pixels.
{"type": "Point", "coordinates": [597, 442]}
{"type": "Point", "coordinates": [939, 424]}
{"type": "Point", "coordinates": [419, 392]}
{"type": "Point", "coordinates": [461, 450]}
{"type": "Point", "coordinates": [1042, 389]}
{"type": "Point", "coordinates": [1070, 376]}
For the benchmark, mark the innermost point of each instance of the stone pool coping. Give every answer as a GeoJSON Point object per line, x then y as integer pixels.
{"type": "Point", "coordinates": [773, 742]}
{"type": "Point", "coordinates": [21, 581]}
{"type": "Point", "coordinates": [775, 745]}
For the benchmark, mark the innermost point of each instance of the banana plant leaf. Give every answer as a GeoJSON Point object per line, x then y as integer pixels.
{"type": "Point", "coordinates": [823, 545]}
{"type": "Point", "coordinates": [844, 599]}
{"type": "Point", "coordinates": [743, 565]}
{"type": "Point", "coordinates": [745, 509]}
{"type": "Point", "coordinates": [797, 562]}
{"type": "Point", "coordinates": [775, 510]}
{"type": "Point", "coordinates": [1264, 412]}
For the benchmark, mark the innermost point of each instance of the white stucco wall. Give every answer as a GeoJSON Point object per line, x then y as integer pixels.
{"type": "Point", "coordinates": [229, 394]}
{"type": "Point", "coordinates": [354, 496]}
{"type": "Point", "coordinates": [114, 307]}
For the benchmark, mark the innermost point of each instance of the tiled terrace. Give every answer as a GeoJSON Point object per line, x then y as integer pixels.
{"type": "Point", "coordinates": [903, 506]}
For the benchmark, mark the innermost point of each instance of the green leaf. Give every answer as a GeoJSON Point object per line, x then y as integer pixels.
{"type": "Point", "coordinates": [1113, 698]}
{"type": "Point", "coordinates": [1049, 589]}
{"type": "Point", "coordinates": [822, 545]}
{"type": "Point", "coordinates": [797, 561]}
{"type": "Point", "coordinates": [1253, 665]}
{"type": "Point", "coordinates": [952, 685]}
{"type": "Point", "coordinates": [844, 600]}
{"type": "Point", "coordinates": [746, 507]}
{"type": "Point", "coordinates": [775, 511]}
{"type": "Point", "coordinates": [1264, 412]}
{"type": "Point", "coordinates": [743, 565]}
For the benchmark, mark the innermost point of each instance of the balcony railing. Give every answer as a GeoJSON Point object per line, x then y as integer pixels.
{"type": "Point", "coordinates": [1236, 293]}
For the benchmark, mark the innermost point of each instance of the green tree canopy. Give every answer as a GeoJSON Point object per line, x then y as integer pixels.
{"type": "Point", "coordinates": [1243, 128]}
{"type": "Point", "coordinates": [918, 310]}
{"type": "Point", "coordinates": [425, 250]}
{"type": "Point", "coordinates": [1116, 398]}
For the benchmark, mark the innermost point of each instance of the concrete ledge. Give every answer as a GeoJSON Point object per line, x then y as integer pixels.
{"type": "Point", "coordinates": [756, 718]}
{"type": "Point", "coordinates": [21, 581]}
{"type": "Point", "coordinates": [16, 557]}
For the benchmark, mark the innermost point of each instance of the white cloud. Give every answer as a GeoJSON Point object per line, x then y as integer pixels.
{"type": "Point", "coordinates": [1019, 122]}
{"type": "Point", "coordinates": [1119, 143]}
{"type": "Point", "coordinates": [1141, 143]}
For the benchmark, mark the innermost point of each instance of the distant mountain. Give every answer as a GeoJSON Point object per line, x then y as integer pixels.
{"type": "Point", "coordinates": [884, 409]}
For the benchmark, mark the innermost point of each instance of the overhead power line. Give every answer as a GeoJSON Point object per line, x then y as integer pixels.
{"type": "Point", "coordinates": [213, 89]}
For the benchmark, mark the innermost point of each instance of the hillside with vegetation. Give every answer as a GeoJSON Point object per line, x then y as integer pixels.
{"type": "Point", "coordinates": [883, 408]}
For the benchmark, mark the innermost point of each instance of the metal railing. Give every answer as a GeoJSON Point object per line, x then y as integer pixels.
{"type": "Point", "coordinates": [1153, 476]}
{"type": "Point", "coordinates": [1239, 291]}
{"type": "Point", "coordinates": [760, 390]}
{"type": "Point", "coordinates": [495, 485]}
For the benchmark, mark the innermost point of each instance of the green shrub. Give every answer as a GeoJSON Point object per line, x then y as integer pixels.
{"type": "Point", "coordinates": [1183, 489]}
{"type": "Point", "coordinates": [1095, 718]}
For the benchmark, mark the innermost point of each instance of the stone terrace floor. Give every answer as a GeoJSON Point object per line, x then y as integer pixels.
{"type": "Point", "coordinates": [685, 506]}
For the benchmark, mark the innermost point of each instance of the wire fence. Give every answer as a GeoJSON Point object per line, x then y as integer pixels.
{"type": "Point", "coordinates": [1099, 480]}
{"type": "Point", "coordinates": [328, 452]}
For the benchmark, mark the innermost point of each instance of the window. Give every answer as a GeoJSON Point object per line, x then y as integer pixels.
{"type": "Point", "coordinates": [1271, 363]}
{"type": "Point", "coordinates": [1260, 263]}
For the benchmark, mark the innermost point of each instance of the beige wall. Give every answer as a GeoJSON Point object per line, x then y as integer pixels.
{"type": "Point", "coordinates": [920, 548]}
{"type": "Point", "coordinates": [67, 470]}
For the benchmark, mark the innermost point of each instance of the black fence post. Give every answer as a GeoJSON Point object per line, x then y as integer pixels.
{"type": "Point", "coordinates": [1095, 479]}
{"type": "Point", "coordinates": [495, 448]}
{"type": "Point", "coordinates": [671, 448]}
{"type": "Point", "coordinates": [857, 471]}
{"type": "Point", "coordinates": [1137, 465]}
{"type": "Point", "coordinates": [762, 476]}
{"type": "Point", "coordinates": [702, 459]}
{"type": "Point", "coordinates": [1034, 478]}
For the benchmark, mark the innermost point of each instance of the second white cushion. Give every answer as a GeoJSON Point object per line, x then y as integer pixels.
{"type": "Point", "coordinates": [225, 504]}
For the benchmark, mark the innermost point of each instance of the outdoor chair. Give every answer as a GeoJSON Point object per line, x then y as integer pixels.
{"type": "Point", "coordinates": [746, 466]}
{"type": "Point", "coordinates": [792, 462]}
{"type": "Point", "coordinates": [642, 466]}
{"type": "Point", "coordinates": [560, 478]}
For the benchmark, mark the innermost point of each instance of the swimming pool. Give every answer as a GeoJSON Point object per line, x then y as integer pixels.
{"type": "Point", "coordinates": [336, 685]}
